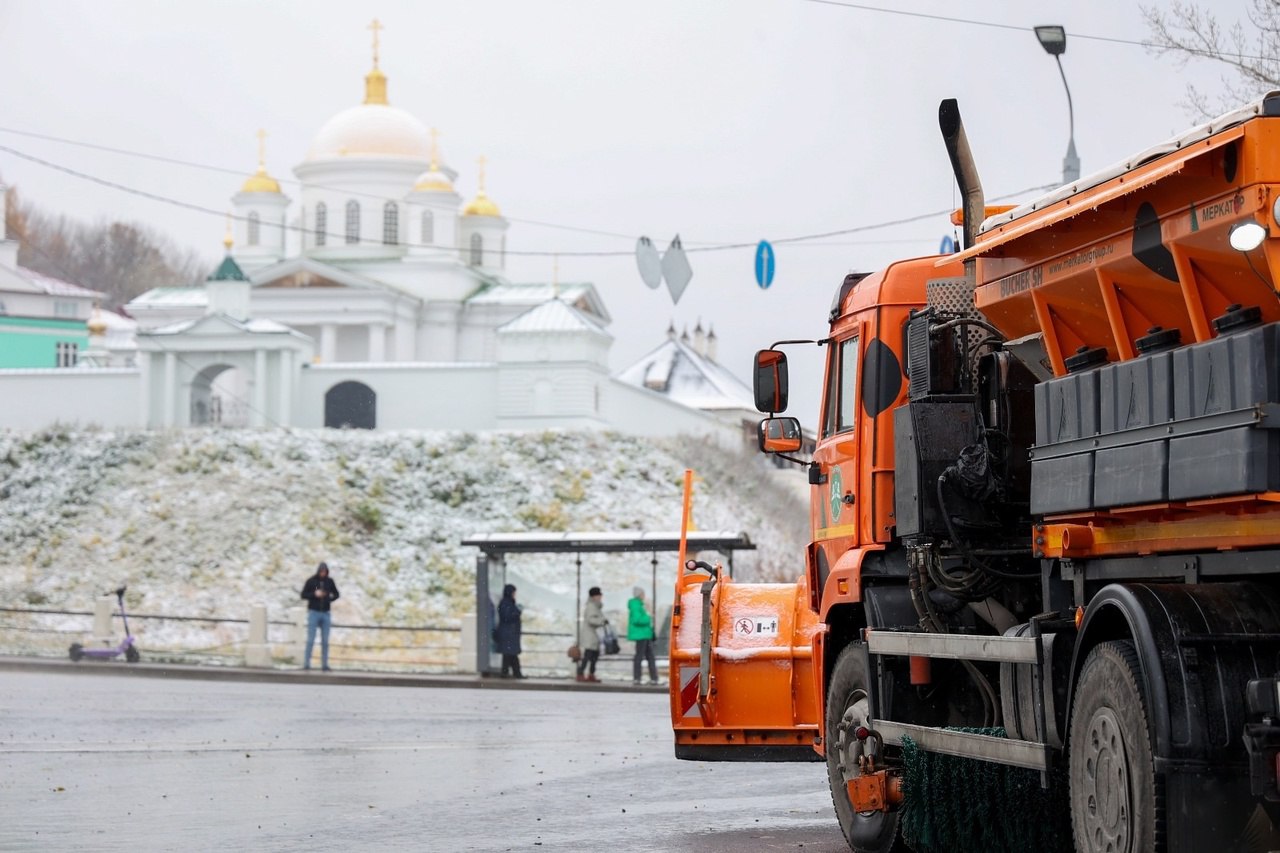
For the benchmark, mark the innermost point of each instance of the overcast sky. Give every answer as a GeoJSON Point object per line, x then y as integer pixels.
{"type": "Point", "coordinates": [720, 120]}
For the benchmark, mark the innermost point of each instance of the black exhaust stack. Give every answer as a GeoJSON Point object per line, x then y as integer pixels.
{"type": "Point", "coordinates": [966, 171]}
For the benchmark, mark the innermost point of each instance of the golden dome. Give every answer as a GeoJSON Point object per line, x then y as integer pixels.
{"type": "Point", "coordinates": [97, 326]}
{"type": "Point", "coordinates": [481, 205]}
{"type": "Point", "coordinates": [433, 180]}
{"type": "Point", "coordinates": [260, 182]}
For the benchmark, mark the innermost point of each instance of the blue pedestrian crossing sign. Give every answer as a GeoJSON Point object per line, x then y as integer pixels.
{"type": "Point", "coordinates": [764, 264]}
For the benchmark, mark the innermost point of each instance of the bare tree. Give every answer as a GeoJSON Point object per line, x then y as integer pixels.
{"type": "Point", "coordinates": [1251, 52]}
{"type": "Point", "coordinates": [120, 259]}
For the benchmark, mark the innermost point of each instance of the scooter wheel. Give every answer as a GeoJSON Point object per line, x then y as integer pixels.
{"type": "Point", "coordinates": [131, 655]}
{"type": "Point", "coordinates": [76, 651]}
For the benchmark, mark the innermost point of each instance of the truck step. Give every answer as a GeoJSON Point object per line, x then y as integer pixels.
{"type": "Point", "coordinates": [1018, 753]}
{"type": "Point", "coordinates": [954, 646]}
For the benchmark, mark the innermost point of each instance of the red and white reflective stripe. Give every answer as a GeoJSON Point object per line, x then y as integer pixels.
{"type": "Point", "coordinates": [689, 691]}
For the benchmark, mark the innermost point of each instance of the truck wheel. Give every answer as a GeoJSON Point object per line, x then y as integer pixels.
{"type": "Point", "coordinates": [1112, 775]}
{"type": "Point", "coordinates": [866, 832]}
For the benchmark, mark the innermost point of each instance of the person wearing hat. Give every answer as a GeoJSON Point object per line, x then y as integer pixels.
{"type": "Point", "coordinates": [640, 631]}
{"type": "Point", "coordinates": [319, 592]}
{"type": "Point", "coordinates": [589, 634]}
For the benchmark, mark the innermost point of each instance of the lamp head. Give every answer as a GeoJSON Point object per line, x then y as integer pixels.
{"type": "Point", "coordinates": [1053, 39]}
{"type": "Point", "coordinates": [1247, 236]}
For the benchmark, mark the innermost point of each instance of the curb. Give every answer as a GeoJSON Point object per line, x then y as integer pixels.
{"type": "Point", "coordinates": [193, 672]}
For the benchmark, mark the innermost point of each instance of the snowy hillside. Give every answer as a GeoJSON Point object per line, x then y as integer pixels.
{"type": "Point", "coordinates": [205, 523]}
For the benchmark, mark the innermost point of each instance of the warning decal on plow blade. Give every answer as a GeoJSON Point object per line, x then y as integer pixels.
{"type": "Point", "coordinates": [755, 626]}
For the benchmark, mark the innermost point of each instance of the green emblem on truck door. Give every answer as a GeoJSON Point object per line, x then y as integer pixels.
{"type": "Point", "coordinates": [837, 487]}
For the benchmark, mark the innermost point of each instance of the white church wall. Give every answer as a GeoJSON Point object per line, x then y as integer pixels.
{"type": "Point", "coordinates": [550, 390]}
{"type": "Point", "coordinates": [35, 399]}
{"type": "Point", "coordinates": [638, 411]}
{"type": "Point", "coordinates": [353, 344]}
{"type": "Point", "coordinates": [409, 396]}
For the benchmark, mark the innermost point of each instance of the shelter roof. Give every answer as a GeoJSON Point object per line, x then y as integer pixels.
{"type": "Point", "coordinates": [607, 542]}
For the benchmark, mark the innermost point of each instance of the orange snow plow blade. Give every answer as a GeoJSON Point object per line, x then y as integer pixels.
{"type": "Point", "coordinates": [742, 670]}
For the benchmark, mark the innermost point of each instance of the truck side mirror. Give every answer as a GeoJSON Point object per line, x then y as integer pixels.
{"type": "Point", "coordinates": [770, 381]}
{"type": "Point", "coordinates": [779, 435]}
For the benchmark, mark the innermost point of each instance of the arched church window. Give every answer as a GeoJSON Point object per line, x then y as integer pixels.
{"type": "Point", "coordinates": [255, 228]}
{"type": "Point", "coordinates": [353, 222]}
{"type": "Point", "coordinates": [322, 223]}
{"type": "Point", "coordinates": [428, 227]}
{"type": "Point", "coordinates": [391, 224]}
{"type": "Point", "coordinates": [477, 250]}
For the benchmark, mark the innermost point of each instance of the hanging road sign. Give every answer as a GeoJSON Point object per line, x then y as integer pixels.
{"type": "Point", "coordinates": [676, 269]}
{"type": "Point", "coordinates": [764, 264]}
{"type": "Point", "coordinates": [948, 246]}
{"type": "Point", "coordinates": [649, 262]}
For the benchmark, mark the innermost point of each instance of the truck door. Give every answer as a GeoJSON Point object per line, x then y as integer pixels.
{"type": "Point", "coordinates": [835, 488]}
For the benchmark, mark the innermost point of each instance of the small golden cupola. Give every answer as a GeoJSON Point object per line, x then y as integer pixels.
{"type": "Point", "coordinates": [96, 325]}
{"type": "Point", "coordinates": [481, 205]}
{"type": "Point", "coordinates": [260, 181]}
{"type": "Point", "coordinates": [434, 180]}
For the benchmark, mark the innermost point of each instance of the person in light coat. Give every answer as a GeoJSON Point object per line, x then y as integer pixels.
{"type": "Point", "coordinates": [589, 634]}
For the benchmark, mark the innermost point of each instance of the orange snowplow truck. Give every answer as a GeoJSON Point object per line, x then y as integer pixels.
{"type": "Point", "coordinates": [1045, 503]}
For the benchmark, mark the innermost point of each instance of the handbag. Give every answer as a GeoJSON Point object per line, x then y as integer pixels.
{"type": "Point", "coordinates": [574, 653]}
{"type": "Point", "coordinates": [609, 641]}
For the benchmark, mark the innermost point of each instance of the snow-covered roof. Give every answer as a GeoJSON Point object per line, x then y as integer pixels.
{"type": "Point", "coordinates": [553, 316]}
{"type": "Point", "coordinates": [57, 287]}
{"type": "Point", "coordinates": [582, 296]}
{"type": "Point", "coordinates": [120, 331]}
{"type": "Point", "coordinates": [173, 296]}
{"type": "Point", "coordinates": [677, 370]}
{"type": "Point", "coordinates": [254, 326]}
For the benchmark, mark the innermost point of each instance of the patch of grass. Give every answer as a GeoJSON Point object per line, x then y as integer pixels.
{"type": "Point", "coordinates": [551, 516]}
{"type": "Point", "coordinates": [367, 515]}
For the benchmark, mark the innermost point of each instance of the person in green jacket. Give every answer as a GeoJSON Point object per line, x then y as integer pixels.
{"type": "Point", "coordinates": [640, 630]}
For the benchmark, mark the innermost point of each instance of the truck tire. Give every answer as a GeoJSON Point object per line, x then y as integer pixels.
{"type": "Point", "coordinates": [866, 832]}
{"type": "Point", "coordinates": [1112, 775]}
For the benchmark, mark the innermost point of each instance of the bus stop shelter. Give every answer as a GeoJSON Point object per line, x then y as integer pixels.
{"type": "Point", "coordinates": [491, 563]}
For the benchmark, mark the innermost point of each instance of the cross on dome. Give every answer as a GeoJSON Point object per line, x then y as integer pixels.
{"type": "Point", "coordinates": [481, 205]}
{"type": "Point", "coordinates": [375, 82]}
{"type": "Point", "coordinates": [375, 27]}
{"type": "Point", "coordinates": [260, 181]}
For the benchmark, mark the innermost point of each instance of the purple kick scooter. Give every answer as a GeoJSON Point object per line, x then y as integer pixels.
{"type": "Point", "coordinates": [126, 646]}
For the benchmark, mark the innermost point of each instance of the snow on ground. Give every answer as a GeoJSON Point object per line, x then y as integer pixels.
{"type": "Point", "coordinates": [208, 522]}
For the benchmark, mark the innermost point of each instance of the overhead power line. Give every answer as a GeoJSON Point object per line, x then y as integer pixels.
{"type": "Point", "coordinates": [997, 25]}
{"type": "Point", "coordinates": [240, 173]}
{"type": "Point", "coordinates": [714, 247]}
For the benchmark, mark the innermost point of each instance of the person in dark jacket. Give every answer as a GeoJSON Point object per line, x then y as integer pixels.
{"type": "Point", "coordinates": [319, 592]}
{"type": "Point", "coordinates": [509, 633]}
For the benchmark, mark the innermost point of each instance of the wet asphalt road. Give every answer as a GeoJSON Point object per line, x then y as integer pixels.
{"type": "Point", "coordinates": [95, 762]}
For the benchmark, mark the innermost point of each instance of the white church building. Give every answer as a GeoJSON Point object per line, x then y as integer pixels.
{"type": "Point", "coordinates": [378, 299]}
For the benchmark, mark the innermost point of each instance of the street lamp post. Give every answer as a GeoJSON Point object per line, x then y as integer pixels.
{"type": "Point", "coordinates": [1054, 40]}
